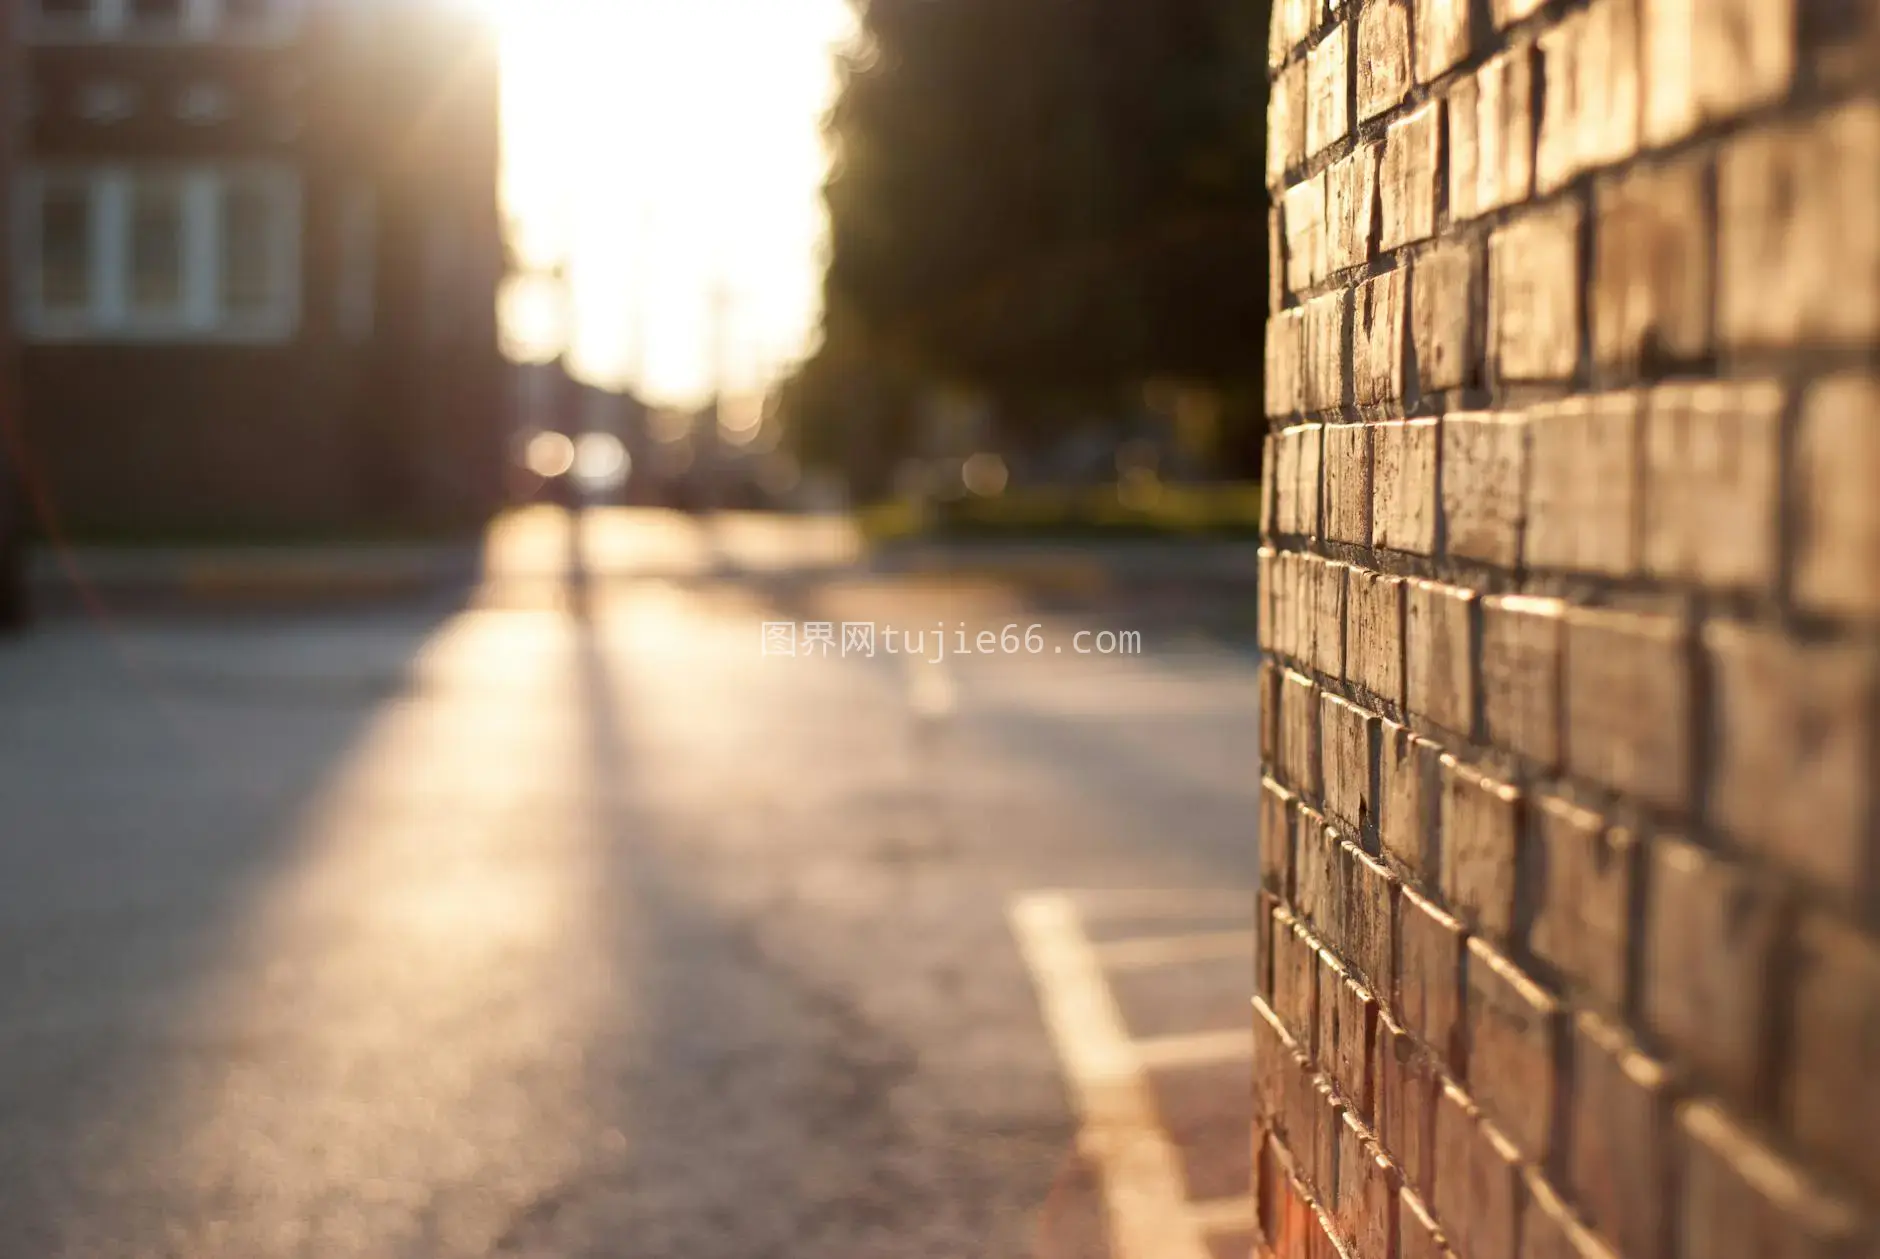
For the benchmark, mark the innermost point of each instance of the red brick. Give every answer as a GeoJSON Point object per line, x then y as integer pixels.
{"type": "Point", "coordinates": [1318, 897]}
{"type": "Point", "coordinates": [1833, 1093]}
{"type": "Point", "coordinates": [1743, 1201]}
{"type": "Point", "coordinates": [1383, 57]}
{"type": "Point", "coordinates": [1299, 735]}
{"type": "Point", "coordinates": [1296, 984]}
{"type": "Point", "coordinates": [1710, 933]}
{"type": "Point", "coordinates": [1328, 76]}
{"type": "Point", "coordinates": [1620, 1166]}
{"type": "Point", "coordinates": [1370, 919]}
{"type": "Point", "coordinates": [1278, 808]}
{"type": "Point", "coordinates": [1442, 319]}
{"type": "Point", "coordinates": [1408, 175]}
{"type": "Point", "coordinates": [1429, 976]}
{"type": "Point", "coordinates": [1403, 486]}
{"type": "Point", "coordinates": [1374, 634]}
{"type": "Point", "coordinates": [1417, 1234]}
{"type": "Point", "coordinates": [1513, 1039]}
{"type": "Point", "coordinates": [1798, 244]}
{"type": "Point", "coordinates": [1628, 690]}
{"type": "Point", "coordinates": [1534, 295]}
{"type": "Point", "coordinates": [1837, 464]}
{"type": "Point", "coordinates": [1274, 1055]}
{"type": "Point", "coordinates": [1549, 1231]}
{"type": "Point", "coordinates": [1356, 1018]}
{"type": "Point", "coordinates": [1377, 335]}
{"type": "Point", "coordinates": [1406, 1103]}
{"type": "Point", "coordinates": [1367, 1195]}
{"type": "Point", "coordinates": [1584, 507]}
{"type": "Point", "coordinates": [1584, 887]}
{"type": "Point", "coordinates": [1348, 483]}
{"type": "Point", "coordinates": [1795, 749]}
{"type": "Point", "coordinates": [1521, 649]}
{"type": "Point", "coordinates": [1479, 1191]}
{"type": "Point", "coordinates": [1712, 483]}
{"type": "Point", "coordinates": [1481, 827]}
{"type": "Point", "coordinates": [1651, 267]}
{"type": "Point", "coordinates": [1264, 903]}
{"type": "Point", "coordinates": [1347, 736]}
{"type": "Point", "coordinates": [1330, 1116]}
{"type": "Point", "coordinates": [1438, 660]}
{"type": "Point", "coordinates": [1484, 479]}
{"type": "Point", "coordinates": [1406, 795]}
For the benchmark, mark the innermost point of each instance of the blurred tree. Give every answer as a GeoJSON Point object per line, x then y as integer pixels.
{"type": "Point", "coordinates": [1050, 197]}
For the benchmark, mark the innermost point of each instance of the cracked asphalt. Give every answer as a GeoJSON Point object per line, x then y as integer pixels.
{"type": "Point", "coordinates": [564, 922]}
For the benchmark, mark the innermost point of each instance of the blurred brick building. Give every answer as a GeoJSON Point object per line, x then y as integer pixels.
{"type": "Point", "coordinates": [12, 560]}
{"type": "Point", "coordinates": [257, 251]}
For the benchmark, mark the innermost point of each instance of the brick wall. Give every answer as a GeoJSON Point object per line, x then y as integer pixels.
{"type": "Point", "coordinates": [1571, 605]}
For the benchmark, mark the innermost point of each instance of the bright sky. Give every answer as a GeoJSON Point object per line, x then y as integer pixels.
{"type": "Point", "coordinates": [668, 148]}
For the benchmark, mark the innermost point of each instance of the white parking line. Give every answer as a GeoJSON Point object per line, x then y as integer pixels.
{"type": "Point", "coordinates": [1226, 1215]}
{"type": "Point", "coordinates": [1153, 952]}
{"type": "Point", "coordinates": [1197, 1049]}
{"type": "Point", "coordinates": [1143, 1186]}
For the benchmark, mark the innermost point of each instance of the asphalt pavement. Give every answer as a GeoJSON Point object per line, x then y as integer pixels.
{"type": "Point", "coordinates": [576, 917]}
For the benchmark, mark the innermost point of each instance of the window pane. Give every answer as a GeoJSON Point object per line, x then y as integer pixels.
{"type": "Point", "coordinates": [250, 277]}
{"type": "Point", "coordinates": [65, 249]}
{"type": "Point", "coordinates": [160, 16]}
{"type": "Point", "coordinates": [156, 247]}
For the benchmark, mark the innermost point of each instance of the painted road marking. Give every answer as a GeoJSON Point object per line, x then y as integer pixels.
{"type": "Point", "coordinates": [1180, 905]}
{"type": "Point", "coordinates": [1226, 1215]}
{"type": "Point", "coordinates": [1196, 1049]}
{"type": "Point", "coordinates": [1144, 1190]}
{"type": "Point", "coordinates": [1157, 951]}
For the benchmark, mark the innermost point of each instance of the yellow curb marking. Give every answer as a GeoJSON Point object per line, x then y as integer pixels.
{"type": "Point", "coordinates": [1144, 1189]}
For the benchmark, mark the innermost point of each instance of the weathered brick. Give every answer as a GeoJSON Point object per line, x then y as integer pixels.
{"type": "Point", "coordinates": [1521, 646]}
{"type": "Point", "coordinates": [1628, 704]}
{"type": "Point", "coordinates": [1285, 363]}
{"type": "Point", "coordinates": [1442, 36]}
{"type": "Point", "coordinates": [1350, 208]}
{"type": "Point", "coordinates": [1370, 919]}
{"type": "Point", "coordinates": [1590, 114]}
{"type": "Point", "coordinates": [1429, 976]}
{"type": "Point", "coordinates": [1710, 928]}
{"type": "Point", "coordinates": [1347, 732]}
{"type": "Point", "coordinates": [1832, 1093]}
{"type": "Point", "coordinates": [1620, 1163]}
{"type": "Point", "coordinates": [1299, 734]}
{"type": "Point", "coordinates": [1651, 294]}
{"type": "Point", "coordinates": [1328, 601]}
{"type": "Point", "coordinates": [1484, 478]}
{"type": "Point", "coordinates": [1795, 749]}
{"type": "Point", "coordinates": [1741, 1200]}
{"type": "Point", "coordinates": [1442, 319]}
{"type": "Point", "coordinates": [1417, 1234]}
{"type": "Point", "coordinates": [1712, 60]}
{"type": "Point", "coordinates": [1298, 624]}
{"type": "Point", "coordinates": [1407, 177]}
{"type": "Point", "coordinates": [1308, 469]}
{"type": "Point", "coordinates": [1479, 1191]}
{"type": "Point", "coordinates": [1377, 334]}
{"type": "Point", "coordinates": [1584, 506]}
{"type": "Point", "coordinates": [1504, 134]}
{"type": "Point", "coordinates": [1798, 243]}
{"type": "Point", "coordinates": [1264, 903]}
{"type": "Point", "coordinates": [1837, 464]}
{"type": "Point", "coordinates": [1668, 36]}
{"type": "Point", "coordinates": [1508, 12]}
{"type": "Point", "coordinates": [1292, 22]}
{"type": "Point", "coordinates": [1356, 1019]}
{"type": "Point", "coordinates": [1268, 583]}
{"type": "Point", "coordinates": [1285, 123]}
{"type": "Point", "coordinates": [1549, 1231]}
{"type": "Point", "coordinates": [1304, 211]}
{"type": "Point", "coordinates": [1269, 489]}
{"type": "Point", "coordinates": [1330, 1116]}
{"type": "Point", "coordinates": [1481, 828]}
{"type": "Point", "coordinates": [1406, 775]}
{"type": "Point", "coordinates": [1406, 1096]}
{"type": "Point", "coordinates": [1514, 1027]}
{"type": "Point", "coordinates": [1367, 1193]}
{"type": "Point", "coordinates": [1296, 983]}
{"type": "Point", "coordinates": [1278, 808]}
{"type": "Point", "coordinates": [1269, 684]}
{"type": "Point", "coordinates": [1325, 350]}
{"type": "Point", "coordinates": [1320, 895]}
{"type": "Point", "coordinates": [1438, 660]}
{"type": "Point", "coordinates": [1712, 483]}
{"type": "Point", "coordinates": [1275, 260]}
{"type": "Point", "coordinates": [1348, 484]}
{"type": "Point", "coordinates": [1374, 634]}
{"type": "Point", "coordinates": [1383, 57]}
{"type": "Point", "coordinates": [1534, 295]}
{"type": "Point", "coordinates": [1583, 880]}
{"type": "Point", "coordinates": [1557, 150]}
{"type": "Point", "coordinates": [1328, 74]}
{"type": "Point", "coordinates": [1403, 486]}
{"type": "Point", "coordinates": [1273, 1056]}
{"type": "Point", "coordinates": [1462, 108]}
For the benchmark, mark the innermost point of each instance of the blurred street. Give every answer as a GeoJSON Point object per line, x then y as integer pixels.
{"type": "Point", "coordinates": [561, 920]}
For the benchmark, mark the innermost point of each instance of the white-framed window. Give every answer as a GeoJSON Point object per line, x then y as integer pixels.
{"type": "Point", "coordinates": [159, 253]}
{"type": "Point", "coordinates": [163, 21]}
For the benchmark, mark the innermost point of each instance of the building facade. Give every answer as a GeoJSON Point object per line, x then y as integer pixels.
{"type": "Point", "coordinates": [1569, 829]}
{"type": "Point", "coordinates": [12, 513]}
{"type": "Point", "coordinates": [257, 248]}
